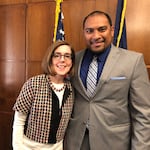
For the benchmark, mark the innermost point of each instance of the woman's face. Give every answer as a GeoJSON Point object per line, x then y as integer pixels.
{"type": "Point", "coordinates": [62, 60]}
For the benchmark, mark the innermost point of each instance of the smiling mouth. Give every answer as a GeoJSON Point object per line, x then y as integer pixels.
{"type": "Point", "coordinates": [97, 42]}
{"type": "Point", "coordinates": [60, 67]}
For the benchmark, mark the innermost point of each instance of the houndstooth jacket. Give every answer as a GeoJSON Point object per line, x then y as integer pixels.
{"type": "Point", "coordinates": [35, 99]}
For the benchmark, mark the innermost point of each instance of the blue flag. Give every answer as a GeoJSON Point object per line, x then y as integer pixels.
{"type": "Point", "coordinates": [120, 39]}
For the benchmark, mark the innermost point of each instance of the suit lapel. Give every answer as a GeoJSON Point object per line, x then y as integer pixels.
{"type": "Point", "coordinates": [77, 82]}
{"type": "Point", "coordinates": [109, 66]}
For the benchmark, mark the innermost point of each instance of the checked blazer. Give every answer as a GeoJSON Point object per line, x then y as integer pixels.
{"type": "Point", "coordinates": [35, 99]}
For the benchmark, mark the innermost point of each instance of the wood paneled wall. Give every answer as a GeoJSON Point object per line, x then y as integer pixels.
{"type": "Point", "coordinates": [12, 65]}
{"type": "Point", "coordinates": [26, 30]}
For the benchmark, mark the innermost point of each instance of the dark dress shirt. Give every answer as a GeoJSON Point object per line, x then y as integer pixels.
{"type": "Point", "coordinates": [87, 58]}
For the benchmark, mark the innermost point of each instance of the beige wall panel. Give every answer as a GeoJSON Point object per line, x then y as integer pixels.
{"type": "Point", "coordinates": [12, 65]}
{"type": "Point", "coordinates": [108, 6]}
{"type": "Point", "coordinates": [8, 2]}
{"type": "Point", "coordinates": [74, 11]}
{"type": "Point", "coordinates": [37, 1]}
{"type": "Point", "coordinates": [5, 131]}
{"type": "Point", "coordinates": [40, 28]}
{"type": "Point", "coordinates": [138, 27]}
{"type": "Point", "coordinates": [12, 32]}
{"type": "Point", "coordinates": [12, 77]}
{"type": "Point", "coordinates": [33, 68]}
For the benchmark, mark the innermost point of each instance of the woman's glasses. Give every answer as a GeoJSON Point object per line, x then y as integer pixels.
{"type": "Point", "coordinates": [59, 56]}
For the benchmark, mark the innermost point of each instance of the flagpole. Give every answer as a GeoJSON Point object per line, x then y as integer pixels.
{"type": "Point", "coordinates": [57, 11]}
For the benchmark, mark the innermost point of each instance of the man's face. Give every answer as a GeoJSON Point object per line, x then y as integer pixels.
{"type": "Point", "coordinates": [98, 33]}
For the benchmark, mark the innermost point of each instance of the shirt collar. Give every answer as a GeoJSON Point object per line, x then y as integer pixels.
{"type": "Point", "coordinates": [101, 56]}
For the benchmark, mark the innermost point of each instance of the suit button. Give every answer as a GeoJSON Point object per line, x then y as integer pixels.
{"type": "Point", "coordinates": [87, 124]}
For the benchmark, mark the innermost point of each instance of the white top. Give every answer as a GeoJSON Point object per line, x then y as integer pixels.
{"type": "Point", "coordinates": [59, 94]}
{"type": "Point", "coordinates": [21, 142]}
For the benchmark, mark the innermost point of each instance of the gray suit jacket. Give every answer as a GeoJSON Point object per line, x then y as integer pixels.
{"type": "Point", "coordinates": [119, 112]}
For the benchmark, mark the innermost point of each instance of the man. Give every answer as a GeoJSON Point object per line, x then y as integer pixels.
{"type": "Point", "coordinates": [117, 115]}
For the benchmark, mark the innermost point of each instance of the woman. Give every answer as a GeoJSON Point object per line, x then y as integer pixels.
{"type": "Point", "coordinates": [44, 105]}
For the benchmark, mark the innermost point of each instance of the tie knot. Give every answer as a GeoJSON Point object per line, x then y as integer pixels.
{"type": "Point", "coordinates": [94, 58]}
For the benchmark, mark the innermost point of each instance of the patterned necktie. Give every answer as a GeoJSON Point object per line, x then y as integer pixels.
{"type": "Point", "coordinates": [92, 77]}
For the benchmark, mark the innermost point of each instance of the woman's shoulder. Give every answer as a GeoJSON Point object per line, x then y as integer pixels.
{"type": "Point", "coordinates": [36, 80]}
{"type": "Point", "coordinates": [37, 77]}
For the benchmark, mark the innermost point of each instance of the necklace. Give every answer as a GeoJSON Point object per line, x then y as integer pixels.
{"type": "Point", "coordinates": [56, 89]}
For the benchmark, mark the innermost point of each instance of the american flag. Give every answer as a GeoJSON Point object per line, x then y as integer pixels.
{"type": "Point", "coordinates": [59, 33]}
